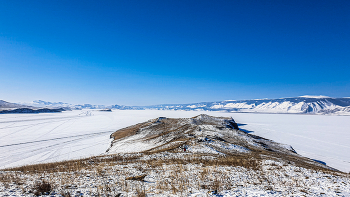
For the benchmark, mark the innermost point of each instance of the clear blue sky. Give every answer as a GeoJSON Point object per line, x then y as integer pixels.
{"type": "Point", "coordinates": [172, 51]}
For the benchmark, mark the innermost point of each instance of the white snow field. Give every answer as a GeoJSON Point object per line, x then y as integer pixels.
{"type": "Point", "coordinates": [319, 137]}
{"type": "Point", "coordinates": [47, 137]}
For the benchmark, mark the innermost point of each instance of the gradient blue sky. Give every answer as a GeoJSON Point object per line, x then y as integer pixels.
{"type": "Point", "coordinates": [172, 51]}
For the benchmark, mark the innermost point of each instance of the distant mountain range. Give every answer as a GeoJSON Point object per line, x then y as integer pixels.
{"type": "Point", "coordinates": [295, 105]}
{"type": "Point", "coordinates": [40, 104]}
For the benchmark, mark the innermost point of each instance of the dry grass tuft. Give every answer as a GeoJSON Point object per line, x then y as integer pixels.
{"type": "Point", "coordinates": [137, 178]}
{"type": "Point", "coordinates": [42, 188]}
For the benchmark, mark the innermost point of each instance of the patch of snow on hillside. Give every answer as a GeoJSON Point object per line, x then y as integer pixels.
{"type": "Point", "coordinates": [218, 106]}
{"type": "Point", "coordinates": [311, 96]}
{"type": "Point", "coordinates": [191, 106]}
{"type": "Point", "coordinates": [226, 146]}
{"type": "Point", "coordinates": [239, 105]}
{"type": "Point", "coordinates": [203, 149]}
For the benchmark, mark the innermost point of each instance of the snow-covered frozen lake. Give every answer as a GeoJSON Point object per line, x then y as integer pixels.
{"type": "Point", "coordinates": [47, 137]}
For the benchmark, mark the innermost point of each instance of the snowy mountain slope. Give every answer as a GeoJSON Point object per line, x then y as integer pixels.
{"type": "Point", "coordinates": [296, 105]}
{"type": "Point", "coordinates": [7, 105]}
{"type": "Point", "coordinates": [14, 108]}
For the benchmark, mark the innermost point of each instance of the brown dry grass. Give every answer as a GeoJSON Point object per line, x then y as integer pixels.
{"type": "Point", "coordinates": [129, 131]}
{"type": "Point", "coordinates": [166, 147]}
{"type": "Point", "coordinates": [11, 178]}
{"type": "Point", "coordinates": [136, 178]}
{"type": "Point", "coordinates": [250, 161]}
{"type": "Point", "coordinates": [167, 126]}
{"type": "Point", "coordinates": [238, 160]}
{"type": "Point", "coordinates": [74, 165]}
{"type": "Point", "coordinates": [42, 188]}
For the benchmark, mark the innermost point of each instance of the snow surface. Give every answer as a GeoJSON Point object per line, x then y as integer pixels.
{"type": "Point", "coordinates": [323, 138]}
{"type": "Point", "coordinates": [37, 138]}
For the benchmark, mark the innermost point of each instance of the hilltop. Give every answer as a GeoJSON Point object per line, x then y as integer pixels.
{"type": "Point", "coordinates": [201, 134]}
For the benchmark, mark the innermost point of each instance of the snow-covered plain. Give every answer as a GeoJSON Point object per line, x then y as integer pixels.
{"type": "Point", "coordinates": [37, 138]}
